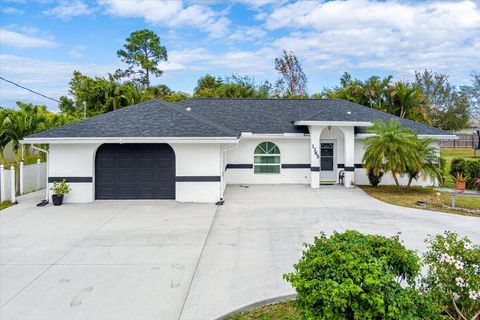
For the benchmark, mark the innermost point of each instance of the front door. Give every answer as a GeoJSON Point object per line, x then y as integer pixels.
{"type": "Point", "coordinates": [328, 162]}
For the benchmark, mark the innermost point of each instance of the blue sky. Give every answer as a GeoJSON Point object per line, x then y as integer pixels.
{"type": "Point", "coordinates": [43, 42]}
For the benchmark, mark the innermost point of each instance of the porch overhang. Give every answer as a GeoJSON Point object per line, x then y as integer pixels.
{"type": "Point", "coordinates": [333, 123]}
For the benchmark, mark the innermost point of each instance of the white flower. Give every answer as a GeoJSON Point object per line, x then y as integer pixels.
{"type": "Point", "coordinates": [447, 246]}
{"type": "Point", "coordinates": [467, 246]}
{"type": "Point", "coordinates": [446, 258]}
{"type": "Point", "coordinates": [472, 295]}
{"type": "Point", "coordinates": [459, 265]}
{"type": "Point", "coordinates": [460, 282]}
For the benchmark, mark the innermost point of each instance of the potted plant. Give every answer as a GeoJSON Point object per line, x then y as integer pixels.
{"type": "Point", "coordinates": [59, 190]}
{"type": "Point", "coordinates": [460, 181]}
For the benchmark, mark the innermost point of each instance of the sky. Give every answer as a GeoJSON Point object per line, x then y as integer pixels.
{"type": "Point", "coordinates": [42, 42]}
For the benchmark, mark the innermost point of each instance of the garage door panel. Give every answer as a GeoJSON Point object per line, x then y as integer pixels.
{"type": "Point", "coordinates": [135, 171]}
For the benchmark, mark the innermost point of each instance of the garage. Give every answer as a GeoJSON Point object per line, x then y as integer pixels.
{"type": "Point", "coordinates": [135, 171]}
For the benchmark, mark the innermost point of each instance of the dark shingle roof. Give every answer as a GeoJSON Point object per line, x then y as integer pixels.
{"type": "Point", "coordinates": [148, 119]}
{"type": "Point", "coordinates": [278, 115]}
{"type": "Point", "coordinates": [223, 118]}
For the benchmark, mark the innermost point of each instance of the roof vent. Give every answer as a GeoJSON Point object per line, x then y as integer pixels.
{"type": "Point", "coordinates": [349, 112]}
{"type": "Point", "coordinates": [189, 109]}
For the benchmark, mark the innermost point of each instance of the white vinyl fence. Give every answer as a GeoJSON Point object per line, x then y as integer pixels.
{"type": "Point", "coordinates": [30, 178]}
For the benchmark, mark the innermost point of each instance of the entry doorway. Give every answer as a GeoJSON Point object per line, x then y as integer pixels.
{"type": "Point", "coordinates": [328, 162]}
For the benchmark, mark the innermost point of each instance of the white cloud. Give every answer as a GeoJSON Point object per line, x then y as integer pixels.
{"type": "Point", "coordinates": [12, 10]}
{"type": "Point", "coordinates": [398, 37]}
{"type": "Point", "coordinates": [77, 51]}
{"type": "Point", "coordinates": [170, 14]}
{"type": "Point", "coordinates": [244, 34]}
{"type": "Point", "coordinates": [25, 40]}
{"type": "Point", "coordinates": [68, 9]}
{"type": "Point", "coordinates": [45, 76]}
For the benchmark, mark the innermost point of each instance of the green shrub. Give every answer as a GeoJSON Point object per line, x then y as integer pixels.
{"type": "Point", "coordinates": [469, 169]}
{"type": "Point", "coordinates": [60, 188]}
{"type": "Point", "coordinates": [356, 276]}
{"type": "Point", "coordinates": [373, 178]}
{"type": "Point", "coordinates": [453, 275]}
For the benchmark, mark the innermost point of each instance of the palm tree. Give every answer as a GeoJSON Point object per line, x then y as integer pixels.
{"type": "Point", "coordinates": [392, 148]}
{"type": "Point", "coordinates": [430, 165]}
{"type": "Point", "coordinates": [407, 101]}
{"type": "Point", "coordinates": [19, 124]}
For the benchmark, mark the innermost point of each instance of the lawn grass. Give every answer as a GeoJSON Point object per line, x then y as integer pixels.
{"type": "Point", "coordinates": [407, 197]}
{"type": "Point", "coordinates": [5, 204]}
{"type": "Point", "coordinates": [451, 153]}
{"type": "Point", "coordinates": [279, 311]}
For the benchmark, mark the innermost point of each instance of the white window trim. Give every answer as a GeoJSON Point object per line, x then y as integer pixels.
{"type": "Point", "coordinates": [279, 164]}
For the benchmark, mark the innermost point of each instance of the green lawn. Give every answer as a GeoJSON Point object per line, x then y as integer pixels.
{"type": "Point", "coordinates": [407, 197]}
{"type": "Point", "coordinates": [5, 204]}
{"type": "Point", "coordinates": [451, 153]}
{"type": "Point", "coordinates": [279, 311]}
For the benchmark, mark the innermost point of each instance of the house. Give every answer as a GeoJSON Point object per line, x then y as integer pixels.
{"type": "Point", "coordinates": [190, 151]}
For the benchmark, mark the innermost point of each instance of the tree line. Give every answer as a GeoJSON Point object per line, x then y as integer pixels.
{"type": "Point", "coordinates": [429, 98]}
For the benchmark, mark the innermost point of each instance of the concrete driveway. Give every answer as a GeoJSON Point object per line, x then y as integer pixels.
{"type": "Point", "coordinates": [166, 260]}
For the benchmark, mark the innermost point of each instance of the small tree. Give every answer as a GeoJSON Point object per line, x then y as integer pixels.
{"type": "Point", "coordinates": [392, 148]}
{"type": "Point", "coordinates": [354, 276]}
{"type": "Point", "coordinates": [142, 54]}
{"type": "Point", "coordinates": [294, 81]}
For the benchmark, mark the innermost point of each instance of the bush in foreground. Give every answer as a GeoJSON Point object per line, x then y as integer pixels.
{"type": "Point", "coordinates": [356, 276]}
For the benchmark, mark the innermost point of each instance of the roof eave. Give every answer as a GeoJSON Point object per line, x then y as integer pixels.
{"type": "Point", "coordinates": [100, 140]}
{"type": "Point", "coordinates": [433, 136]}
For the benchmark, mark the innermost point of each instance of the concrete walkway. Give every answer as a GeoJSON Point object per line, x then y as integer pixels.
{"type": "Point", "coordinates": [166, 260]}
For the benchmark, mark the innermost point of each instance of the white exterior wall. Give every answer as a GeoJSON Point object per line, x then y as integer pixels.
{"type": "Point", "coordinates": [198, 160]}
{"type": "Point", "coordinates": [293, 150]}
{"type": "Point", "coordinates": [207, 161]}
{"type": "Point", "coordinates": [192, 160]}
{"type": "Point", "coordinates": [361, 177]}
{"type": "Point", "coordinates": [74, 160]}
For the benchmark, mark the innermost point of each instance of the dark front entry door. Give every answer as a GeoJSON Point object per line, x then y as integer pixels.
{"type": "Point", "coordinates": [327, 161]}
{"type": "Point", "coordinates": [135, 171]}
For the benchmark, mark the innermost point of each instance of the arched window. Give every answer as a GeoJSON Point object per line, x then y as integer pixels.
{"type": "Point", "coordinates": [266, 158]}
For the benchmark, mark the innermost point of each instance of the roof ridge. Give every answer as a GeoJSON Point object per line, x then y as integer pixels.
{"type": "Point", "coordinates": [274, 99]}
{"type": "Point", "coordinates": [198, 118]}
{"type": "Point", "coordinates": [322, 110]}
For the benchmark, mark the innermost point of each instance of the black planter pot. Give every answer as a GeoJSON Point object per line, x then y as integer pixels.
{"type": "Point", "coordinates": [57, 199]}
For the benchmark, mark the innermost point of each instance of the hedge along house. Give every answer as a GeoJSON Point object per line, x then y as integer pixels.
{"type": "Point", "coordinates": [190, 151]}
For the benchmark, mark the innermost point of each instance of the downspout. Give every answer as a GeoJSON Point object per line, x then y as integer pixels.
{"type": "Point", "coordinates": [44, 202]}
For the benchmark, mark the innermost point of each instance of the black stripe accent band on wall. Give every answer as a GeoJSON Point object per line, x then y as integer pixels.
{"type": "Point", "coordinates": [357, 166]}
{"type": "Point", "coordinates": [70, 179]}
{"type": "Point", "coordinates": [349, 168]}
{"type": "Point", "coordinates": [314, 168]}
{"type": "Point", "coordinates": [197, 179]}
{"type": "Point", "coordinates": [295, 165]}
{"type": "Point", "coordinates": [239, 166]}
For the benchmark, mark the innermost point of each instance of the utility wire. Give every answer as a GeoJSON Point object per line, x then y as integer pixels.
{"type": "Point", "coordinates": [20, 86]}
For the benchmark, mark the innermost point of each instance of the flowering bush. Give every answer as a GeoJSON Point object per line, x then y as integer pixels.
{"type": "Point", "coordinates": [453, 275]}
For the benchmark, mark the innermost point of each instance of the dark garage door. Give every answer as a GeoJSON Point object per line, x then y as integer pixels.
{"type": "Point", "coordinates": [135, 171]}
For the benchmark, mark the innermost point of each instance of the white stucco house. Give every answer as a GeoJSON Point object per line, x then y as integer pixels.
{"type": "Point", "coordinates": [190, 151]}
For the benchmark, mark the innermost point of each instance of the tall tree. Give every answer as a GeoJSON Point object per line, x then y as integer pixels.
{"type": "Point", "coordinates": [472, 93]}
{"type": "Point", "coordinates": [293, 81]}
{"type": "Point", "coordinates": [447, 108]}
{"type": "Point", "coordinates": [142, 54]}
